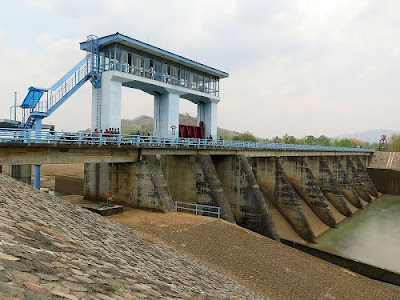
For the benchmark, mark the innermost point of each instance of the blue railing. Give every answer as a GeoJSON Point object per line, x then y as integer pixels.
{"type": "Point", "coordinates": [198, 208]}
{"type": "Point", "coordinates": [105, 139]}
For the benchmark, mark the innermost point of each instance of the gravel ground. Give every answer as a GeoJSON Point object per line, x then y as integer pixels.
{"type": "Point", "coordinates": [266, 266]}
{"type": "Point", "coordinates": [52, 249]}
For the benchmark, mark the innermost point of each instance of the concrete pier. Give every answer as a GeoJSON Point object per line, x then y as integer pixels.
{"type": "Point", "coordinates": [36, 183]}
{"type": "Point", "coordinates": [20, 172]}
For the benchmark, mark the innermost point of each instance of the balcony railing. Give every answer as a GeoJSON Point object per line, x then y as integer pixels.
{"type": "Point", "coordinates": [30, 136]}
{"type": "Point", "coordinates": [152, 74]}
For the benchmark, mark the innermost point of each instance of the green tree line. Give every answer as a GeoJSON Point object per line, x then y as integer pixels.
{"type": "Point", "coordinates": [322, 140]}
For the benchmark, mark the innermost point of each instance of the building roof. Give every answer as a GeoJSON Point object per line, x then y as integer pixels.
{"type": "Point", "coordinates": [130, 42]}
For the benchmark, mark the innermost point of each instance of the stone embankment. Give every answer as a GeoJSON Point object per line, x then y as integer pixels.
{"type": "Point", "coordinates": [51, 249]}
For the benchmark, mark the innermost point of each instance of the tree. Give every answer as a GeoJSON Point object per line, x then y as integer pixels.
{"type": "Point", "coordinates": [394, 143]}
{"type": "Point", "coordinates": [247, 137]}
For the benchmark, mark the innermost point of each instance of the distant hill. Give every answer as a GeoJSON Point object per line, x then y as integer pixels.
{"type": "Point", "coordinates": [370, 136]}
{"type": "Point", "coordinates": [145, 124]}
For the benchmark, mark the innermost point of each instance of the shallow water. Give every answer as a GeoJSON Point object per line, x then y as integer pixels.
{"type": "Point", "coordinates": [372, 235]}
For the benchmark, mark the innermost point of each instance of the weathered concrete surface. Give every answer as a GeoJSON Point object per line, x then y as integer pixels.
{"type": "Point", "coordinates": [244, 195]}
{"type": "Point", "coordinates": [211, 178]}
{"type": "Point", "coordinates": [356, 180]}
{"type": "Point", "coordinates": [328, 184]}
{"type": "Point", "coordinates": [20, 172]}
{"type": "Point", "coordinates": [363, 174]}
{"type": "Point", "coordinates": [160, 183]}
{"type": "Point", "coordinates": [21, 154]}
{"type": "Point", "coordinates": [138, 184]}
{"type": "Point", "coordinates": [386, 181]}
{"type": "Point", "coordinates": [273, 181]}
{"type": "Point", "coordinates": [51, 249]}
{"type": "Point", "coordinates": [384, 171]}
{"type": "Point", "coordinates": [302, 179]}
{"type": "Point", "coordinates": [186, 179]}
{"type": "Point", "coordinates": [339, 172]}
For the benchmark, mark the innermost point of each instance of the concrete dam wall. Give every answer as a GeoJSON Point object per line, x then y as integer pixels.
{"type": "Point", "coordinates": [296, 198]}
{"type": "Point", "coordinates": [384, 171]}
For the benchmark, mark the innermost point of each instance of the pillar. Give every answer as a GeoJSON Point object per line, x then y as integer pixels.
{"type": "Point", "coordinates": [166, 115]}
{"type": "Point", "coordinates": [36, 182]}
{"type": "Point", "coordinates": [106, 103]}
{"type": "Point", "coordinates": [20, 172]}
{"type": "Point", "coordinates": [207, 112]}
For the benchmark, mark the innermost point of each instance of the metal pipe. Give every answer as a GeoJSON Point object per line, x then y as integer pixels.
{"type": "Point", "coordinates": [36, 182]}
{"type": "Point", "coordinates": [15, 106]}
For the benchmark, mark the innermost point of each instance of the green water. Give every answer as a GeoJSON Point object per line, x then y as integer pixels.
{"type": "Point", "coordinates": [372, 235]}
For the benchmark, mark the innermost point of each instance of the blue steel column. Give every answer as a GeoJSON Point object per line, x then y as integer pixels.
{"type": "Point", "coordinates": [36, 182]}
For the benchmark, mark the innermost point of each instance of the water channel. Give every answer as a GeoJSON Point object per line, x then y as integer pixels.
{"type": "Point", "coordinates": [372, 235]}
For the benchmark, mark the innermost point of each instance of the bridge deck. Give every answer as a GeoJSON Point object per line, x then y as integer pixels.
{"type": "Point", "coordinates": [41, 147]}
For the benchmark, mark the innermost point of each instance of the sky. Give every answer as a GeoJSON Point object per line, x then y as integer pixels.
{"type": "Point", "coordinates": [301, 67]}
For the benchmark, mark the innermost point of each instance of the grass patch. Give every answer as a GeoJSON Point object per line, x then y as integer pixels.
{"type": "Point", "coordinates": [116, 289]}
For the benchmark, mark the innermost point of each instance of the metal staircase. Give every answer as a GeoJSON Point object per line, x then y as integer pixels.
{"type": "Point", "coordinates": [86, 69]}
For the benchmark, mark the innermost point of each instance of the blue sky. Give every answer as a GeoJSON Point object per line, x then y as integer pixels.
{"type": "Point", "coordinates": [297, 67]}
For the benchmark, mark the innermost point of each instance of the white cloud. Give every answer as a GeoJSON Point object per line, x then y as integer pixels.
{"type": "Point", "coordinates": [298, 67]}
{"type": "Point", "coordinates": [2, 35]}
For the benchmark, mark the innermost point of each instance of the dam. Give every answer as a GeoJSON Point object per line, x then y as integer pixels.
{"type": "Point", "coordinates": [241, 178]}
{"type": "Point", "coordinates": [283, 192]}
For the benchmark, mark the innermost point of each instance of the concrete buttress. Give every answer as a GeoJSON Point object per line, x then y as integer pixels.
{"type": "Point", "coordinates": [328, 184]}
{"type": "Point", "coordinates": [273, 181]}
{"type": "Point", "coordinates": [244, 195]}
{"type": "Point", "coordinates": [339, 172]}
{"type": "Point", "coordinates": [356, 180]}
{"type": "Point", "coordinates": [160, 183]}
{"type": "Point", "coordinates": [211, 178]}
{"type": "Point", "coordinates": [302, 179]}
{"type": "Point", "coordinates": [361, 169]}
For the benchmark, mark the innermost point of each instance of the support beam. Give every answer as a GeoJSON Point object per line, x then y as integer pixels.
{"type": "Point", "coordinates": [207, 112]}
{"type": "Point", "coordinates": [36, 183]}
{"type": "Point", "coordinates": [211, 178]}
{"type": "Point", "coordinates": [166, 115]}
